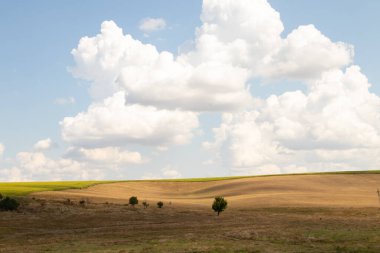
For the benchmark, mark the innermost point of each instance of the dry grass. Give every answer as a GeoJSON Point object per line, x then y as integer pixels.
{"type": "Point", "coordinates": [305, 213]}
{"type": "Point", "coordinates": [340, 190]}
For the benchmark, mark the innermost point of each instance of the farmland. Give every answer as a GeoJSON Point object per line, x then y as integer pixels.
{"type": "Point", "coordinates": [292, 213]}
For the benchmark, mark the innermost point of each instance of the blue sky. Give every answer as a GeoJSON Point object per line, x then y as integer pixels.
{"type": "Point", "coordinates": [38, 36]}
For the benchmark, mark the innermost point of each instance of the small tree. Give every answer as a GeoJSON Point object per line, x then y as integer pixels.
{"type": "Point", "coordinates": [8, 204]}
{"type": "Point", "coordinates": [133, 201]}
{"type": "Point", "coordinates": [219, 204]}
{"type": "Point", "coordinates": [145, 204]}
{"type": "Point", "coordinates": [160, 204]}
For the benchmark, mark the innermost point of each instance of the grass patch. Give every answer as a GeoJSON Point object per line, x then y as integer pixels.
{"type": "Point", "coordinates": [25, 188]}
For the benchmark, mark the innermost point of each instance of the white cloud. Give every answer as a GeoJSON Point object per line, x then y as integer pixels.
{"type": "Point", "coordinates": [112, 122]}
{"type": "Point", "coordinates": [144, 96]}
{"type": "Point", "coordinates": [108, 155]}
{"type": "Point", "coordinates": [170, 172]}
{"type": "Point", "coordinates": [2, 148]}
{"type": "Point", "coordinates": [169, 84]}
{"type": "Point", "coordinates": [150, 176]}
{"type": "Point", "coordinates": [44, 144]}
{"type": "Point", "coordinates": [335, 125]}
{"type": "Point", "coordinates": [305, 54]}
{"type": "Point", "coordinates": [77, 164]}
{"type": "Point", "coordinates": [65, 101]}
{"type": "Point", "coordinates": [36, 166]}
{"type": "Point", "coordinates": [114, 62]}
{"type": "Point", "coordinates": [12, 174]}
{"type": "Point", "coordinates": [148, 25]}
{"type": "Point", "coordinates": [237, 40]}
{"type": "Point", "coordinates": [240, 33]}
{"type": "Point", "coordinates": [247, 33]}
{"type": "Point", "coordinates": [100, 59]}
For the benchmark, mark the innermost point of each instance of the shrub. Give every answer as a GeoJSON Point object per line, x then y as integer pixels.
{"type": "Point", "coordinates": [145, 204]}
{"type": "Point", "coordinates": [160, 204]}
{"type": "Point", "coordinates": [8, 204]}
{"type": "Point", "coordinates": [82, 202]}
{"type": "Point", "coordinates": [133, 201]}
{"type": "Point", "coordinates": [1, 196]}
{"type": "Point", "coordinates": [219, 204]}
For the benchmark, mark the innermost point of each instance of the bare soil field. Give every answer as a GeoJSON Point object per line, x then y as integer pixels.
{"type": "Point", "coordinates": [308, 213]}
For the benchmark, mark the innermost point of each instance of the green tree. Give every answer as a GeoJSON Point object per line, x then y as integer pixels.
{"type": "Point", "coordinates": [160, 204]}
{"type": "Point", "coordinates": [133, 201]}
{"type": "Point", "coordinates": [219, 205]}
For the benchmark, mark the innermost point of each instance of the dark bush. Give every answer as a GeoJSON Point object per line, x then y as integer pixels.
{"type": "Point", "coordinates": [160, 204]}
{"type": "Point", "coordinates": [145, 204]}
{"type": "Point", "coordinates": [82, 202]}
{"type": "Point", "coordinates": [133, 201]}
{"type": "Point", "coordinates": [9, 204]}
{"type": "Point", "coordinates": [219, 204]}
{"type": "Point", "coordinates": [1, 196]}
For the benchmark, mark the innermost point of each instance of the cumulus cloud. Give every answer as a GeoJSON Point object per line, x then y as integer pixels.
{"type": "Point", "coordinates": [247, 34]}
{"type": "Point", "coordinates": [334, 125]}
{"type": "Point", "coordinates": [78, 164]}
{"type": "Point", "coordinates": [113, 122]}
{"type": "Point", "coordinates": [240, 33]}
{"type": "Point", "coordinates": [151, 97]}
{"type": "Point", "coordinates": [65, 101]}
{"type": "Point", "coordinates": [44, 144]}
{"type": "Point", "coordinates": [305, 54]}
{"type": "Point", "coordinates": [32, 166]}
{"type": "Point", "coordinates": [107, 155]}
{"type": "Point", "coordinates": [117, 62]}
{"type": "Point", "coordinates": [170, 172]}
{"type": "Point", "coordinates": [238, 40]}
{"type": "Point", "coordinates": [148, 25]}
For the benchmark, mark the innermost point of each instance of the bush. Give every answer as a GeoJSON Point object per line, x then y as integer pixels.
{"type": "Point", "coordinates": [8, 204]}
{"type": "Point", "coordinates": [219, 204]}
{"type": "Point", "coordinates": [82, 202]}
{"type": "Point", "coordinates": [145, 204]}
{"type": "Point", "coordinates": [160, 204]}
{"type": "Point", "coordinates": [133, 201]}
{"type": "Point", "coordinates": [1, 196]}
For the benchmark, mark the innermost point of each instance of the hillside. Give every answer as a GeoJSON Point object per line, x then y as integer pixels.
{"type": "Point", "coordinates": [327, 190]}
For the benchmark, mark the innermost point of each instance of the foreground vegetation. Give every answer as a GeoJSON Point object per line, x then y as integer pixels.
{"type": "Point", "coordinates": [55, 226]}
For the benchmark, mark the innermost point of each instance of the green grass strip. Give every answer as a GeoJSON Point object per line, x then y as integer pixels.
{"type": "Point", "coordinates": [25, 188]}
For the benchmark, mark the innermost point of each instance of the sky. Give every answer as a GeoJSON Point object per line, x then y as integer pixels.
{"type": "Point", "coordinates": [147, 89]}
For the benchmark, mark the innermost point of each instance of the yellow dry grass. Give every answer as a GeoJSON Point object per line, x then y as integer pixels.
{"type": "Point", "coordinates": [325, 190]}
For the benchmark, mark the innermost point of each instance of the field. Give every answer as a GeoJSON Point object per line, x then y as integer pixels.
{"type": "Point", "coordinates": [293, 213]}
{"type": "Point", "coordinates": [25, 188]}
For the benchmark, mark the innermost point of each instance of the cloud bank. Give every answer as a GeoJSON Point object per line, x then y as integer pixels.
{"type": "Point", "coordinates": [153, 98]}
